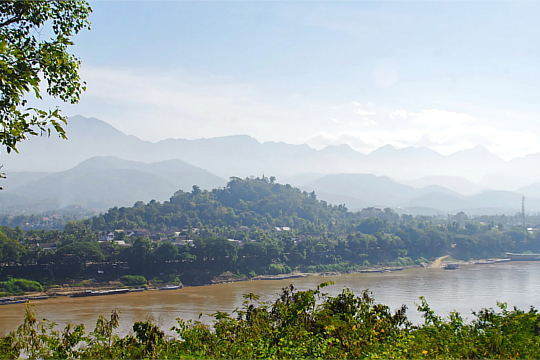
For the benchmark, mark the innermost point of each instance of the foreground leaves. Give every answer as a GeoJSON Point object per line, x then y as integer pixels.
{"type": "Point", "coordinates": [299, 324]}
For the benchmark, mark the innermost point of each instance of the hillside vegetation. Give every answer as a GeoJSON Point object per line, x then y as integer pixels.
{"type": "Point", "coordinates": [250, 227]}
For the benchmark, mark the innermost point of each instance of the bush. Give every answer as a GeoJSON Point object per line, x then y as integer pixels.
{"type": "Point", "coordinates": [277, 269]}
{"type": "Point", "coordinates": [298, 324]}
{"type": "Point", "coordinates": [20, 286]}
{"type": "Point", "coordinates": [274, 269]}
{"type": "Point", "coordinates": [172, 278]}
{"type": "Point", "coordinates": [404, 261]}
{"type": "Point", "coordinates": [133, 280]}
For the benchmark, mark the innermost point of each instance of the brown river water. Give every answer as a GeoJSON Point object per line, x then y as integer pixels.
{"type": "Point", "coordinates": [471, 287]}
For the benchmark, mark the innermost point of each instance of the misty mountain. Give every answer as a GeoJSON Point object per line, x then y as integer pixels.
{"type": "Point", "coordinates": [359, 190]}
{"type": "Point", "coordinates": [241, 155]}
{"type": "Point", "coordinates": [454, 183]}
{"type": "Point", "coordinates": [17, 179]}
{"type": "Point", "coordinates": [532, 190]}
{"type": "Point", "coordinates": [413, 177]}
{"type": "Point", "coordinates": [87, 137]}
{"type": "Point", "coordinates": [447, 203]}
{"type": "Point", "coordinates": [300, 180]}
{"type": "Point", "coordinates": [371, 190]}
{"type": "Point", "coordinates": [408, 153]}
{"type": "Point", "coordinates": [103, 182]}
{"type": "Point", "coordinates": [515, 174]}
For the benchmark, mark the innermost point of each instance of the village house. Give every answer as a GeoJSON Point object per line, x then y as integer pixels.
{"type": "Point", "coordinates": [48, 246]}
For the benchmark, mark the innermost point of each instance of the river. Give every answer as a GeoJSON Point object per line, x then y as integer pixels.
{"type": "Point", "coordinates": [471, 287]}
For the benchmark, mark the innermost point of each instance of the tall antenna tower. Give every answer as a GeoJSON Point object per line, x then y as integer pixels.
{"type": "Point", "coordinates": [523, 209]}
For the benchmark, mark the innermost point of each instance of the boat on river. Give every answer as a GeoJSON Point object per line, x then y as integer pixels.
{"type": "Point", "coordinates": [451, 266]}
{"type": "Point", "coordinates": [523, 257]}
{"type": "Point", "coordinates": [170, 287]}
{"type": "Point", "coordinates": [12, 301]}
{"type": "Point", "coordinates": [485, 262]}
{"type": "Point", "coordinates": [99, 293]}
{"type": "Point", "coordinates": [82, 294]}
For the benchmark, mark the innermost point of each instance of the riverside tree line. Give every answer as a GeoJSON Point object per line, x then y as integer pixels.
{"type": "Point", "coordinates": [318, 237]}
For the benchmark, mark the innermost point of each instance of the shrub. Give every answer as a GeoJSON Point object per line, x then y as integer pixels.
{"type": "Point", "coordinates": [19, 286]}
{"type": "Point", "coordinates": [172, 278]}
{"type": "Point", "coordinates": [277, 269]}
{"type": "Point", "coordinates": [274, 269]}
{"type": "Point", "coordinates": [133, 280]}
{"type": "Point", "coordinates": [404, 261]}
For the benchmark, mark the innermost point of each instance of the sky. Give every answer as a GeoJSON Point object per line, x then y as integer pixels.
{"type": "Point", "coordinates": [444, 75]}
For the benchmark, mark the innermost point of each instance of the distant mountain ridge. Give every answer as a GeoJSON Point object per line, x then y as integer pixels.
{"type": "Point", "coordinates": [88, 168]}
{"type": "Point", "coordinates": [241, 155]}
{"type": "Point", "coordinates": [370, 190]}
{"type": "Point", "coordinates": [454, 183]}
{"type": "Point", "coordinates": [103, 182]}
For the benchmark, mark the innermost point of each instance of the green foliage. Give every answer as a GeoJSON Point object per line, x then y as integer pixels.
{"type": "Point", "coordinates": [10, 250]}
{"type": "Point", "coordinates": [133, 280]}
{"type": "Point", "coordinates": [252, 226]}
{"type": "Point", "coordinates": [83, 251]}
{"type": "Point", "coordinates": [26, 57]}
{"type": "Point", "coordinates": [19, 286]}
{"type": "Point", "coordinates": [166, 251]}
{"type": "Point", "coordinates": [248, 202]}
{"type": "Point", "coordinates": [276, 269]}
{"type": "Point", "coordinates": [404, 261]}
{"type": "Point", "coordinates": [298, 324]}
{"type": "Point", "coordinates": [172, 278]}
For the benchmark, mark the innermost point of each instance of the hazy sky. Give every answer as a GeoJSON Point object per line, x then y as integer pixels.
{"type": "Point", "coordinates": [447, 75]}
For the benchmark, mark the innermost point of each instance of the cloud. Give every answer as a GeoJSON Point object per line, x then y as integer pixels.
{"type": "Point", "coordinates": [399, 113]}
{"type": "Point", "coordinates": [435, 118]}
{"type": "Point", "coordinates": [364, 112]}
{"type": "Point", "coordinates": [155, 105]}
{"type": "Point", "coordinates": [439, 129]}
{"type": "Point", "coordinates": [368, 122]}
{"type": "Point", "coordinates": [507, 143]}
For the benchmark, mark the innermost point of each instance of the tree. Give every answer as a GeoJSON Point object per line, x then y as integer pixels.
{"type": "Point", "coordinates": [141, 255]}
{"type": "Point", "coordinates": [86, 251]}
{"type": "Point", "coordinates": [166, 251]}
{"type": "Point", "coordinates": [27, 58]}
{"type": "Point", "coordinates": [10, 250]}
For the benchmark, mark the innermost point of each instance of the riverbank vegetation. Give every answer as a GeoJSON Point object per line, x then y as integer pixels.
{"type": "Point", "coordinates": [298, 324]}
{"type": "Point", "coordinates": [250, 227]}
{"type": "Point", "coordinates": [19, 287]}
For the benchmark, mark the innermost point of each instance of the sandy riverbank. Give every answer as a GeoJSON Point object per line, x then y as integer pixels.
{"type": "Point", "coordinates": [438, 261]}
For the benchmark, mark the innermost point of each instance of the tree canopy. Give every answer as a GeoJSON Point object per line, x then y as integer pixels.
{"type": "Point", "coordinates": [27, 57]}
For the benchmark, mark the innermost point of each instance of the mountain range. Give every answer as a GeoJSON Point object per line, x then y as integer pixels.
{"type": "Point", "coordinates": [103, 182]}
{"type": "Point", "coordinates": [99, 166]}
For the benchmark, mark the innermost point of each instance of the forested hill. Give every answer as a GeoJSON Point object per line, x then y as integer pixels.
{"type": "Point", "coordinates": [243, 202]}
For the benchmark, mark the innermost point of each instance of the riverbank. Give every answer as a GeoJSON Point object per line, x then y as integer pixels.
{"type": "Point", "coordinates": [66, 290]}
{"type": "Point", "coordinates": [363, 296]}
{"type": "Point", "coordinates": [112, 288]}
{"type": "Point", "coordinates": [472, 286]}
{"type": "Point", "coordinates": [438, 261]}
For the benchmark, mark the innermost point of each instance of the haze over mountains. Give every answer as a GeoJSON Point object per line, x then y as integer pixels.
{"type": "Point", "coordinates": [99, 167]}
